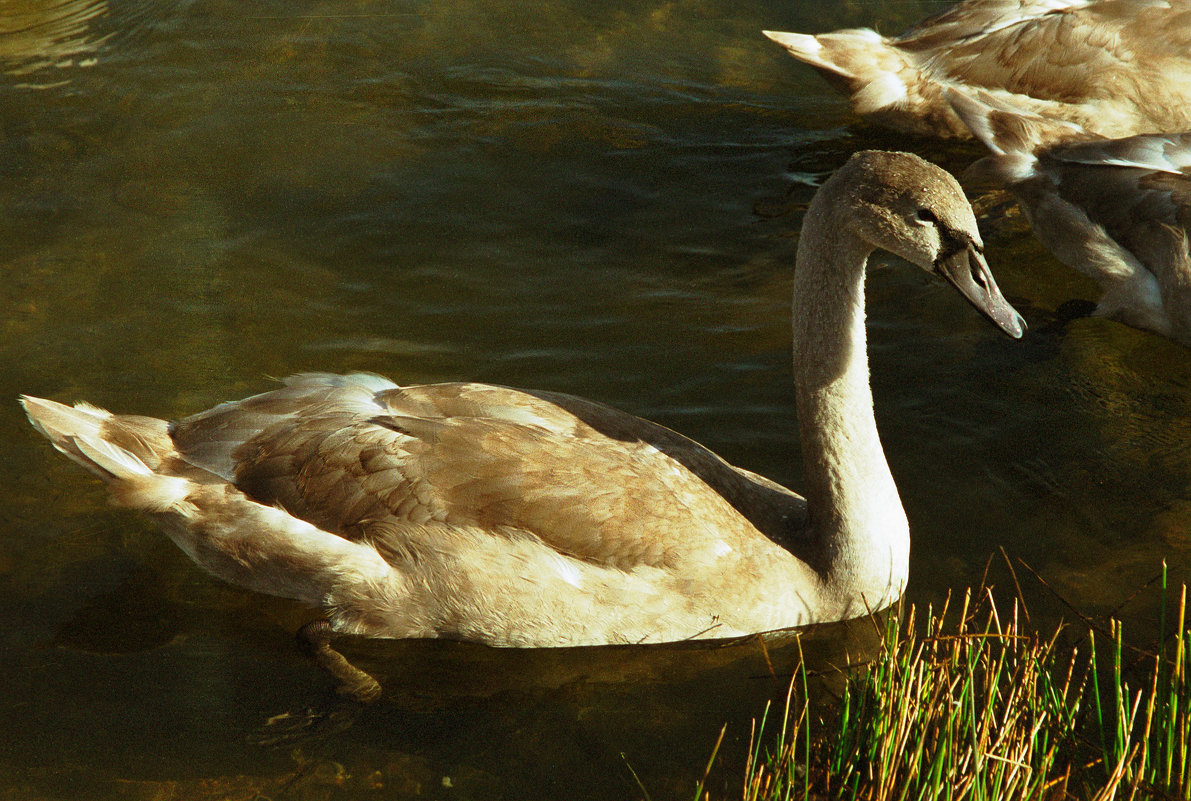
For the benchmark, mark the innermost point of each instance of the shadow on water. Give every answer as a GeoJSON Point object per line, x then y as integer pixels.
{"type": "Point", "coordinates": [172, 707]}
{"type": "Point", "coordinates": [599, 719]}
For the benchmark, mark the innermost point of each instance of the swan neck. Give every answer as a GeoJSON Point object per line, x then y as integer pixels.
{"type": "Point", "coordinates": [856, 515]}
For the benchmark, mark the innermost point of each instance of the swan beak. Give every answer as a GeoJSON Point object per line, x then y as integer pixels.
{"type": "Point", "coordinates": [968, 272]}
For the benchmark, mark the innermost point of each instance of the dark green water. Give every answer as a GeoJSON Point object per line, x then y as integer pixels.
{"type": "Point", "coordinates": [598, 198]}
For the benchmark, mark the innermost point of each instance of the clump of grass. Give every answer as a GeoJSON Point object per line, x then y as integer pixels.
{"type": "Point", "coordinates": [984, 708]}
{"type": "Point", "coordinates": [1146, 735]}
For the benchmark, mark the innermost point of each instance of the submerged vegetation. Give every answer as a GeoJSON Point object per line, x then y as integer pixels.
{"type": "Point", "coordinates": [975, 705]}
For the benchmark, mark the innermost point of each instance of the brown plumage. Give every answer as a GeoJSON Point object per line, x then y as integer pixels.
{"type": "Point", "coordinates": [1114, 67]}
{"type": "Point", "coordinates": [521, 518]}
{"type": "Point", "coordinates": [1117, 210]}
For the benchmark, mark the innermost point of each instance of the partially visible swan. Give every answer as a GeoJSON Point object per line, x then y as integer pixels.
{"type": "Point", "coordinates": [1117, 210]}
{"type": "Point", "coordinates": [518, 518]}
{"type": "Point", "coordinates": [1115, 67]}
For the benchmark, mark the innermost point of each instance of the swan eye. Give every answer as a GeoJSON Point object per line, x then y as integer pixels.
{"type": "Point", "coordinates": [926, 216]}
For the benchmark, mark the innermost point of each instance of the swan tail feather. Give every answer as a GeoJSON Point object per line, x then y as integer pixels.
{"type": "Point", "coordinates": [125, 451]}
{"type": "Point", "coordinates": [859, 61]}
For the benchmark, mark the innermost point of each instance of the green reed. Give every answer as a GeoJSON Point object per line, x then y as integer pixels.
{"type": "Point", "coordinates": [1145, 737]}
{"type": "Point", "coordinates": [984, 708]}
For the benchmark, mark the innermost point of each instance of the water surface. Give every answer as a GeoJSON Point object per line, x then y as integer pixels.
{"type": "Point", "coordinates": [597, 198]}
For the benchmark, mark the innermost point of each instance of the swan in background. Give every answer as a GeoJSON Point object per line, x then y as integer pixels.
{"type": "Point", "coordinates": [1117, 210]}
{"type": "Point", "coordinates": [530, 519]}
{"type": "Point", "coordinates": [1114, 67]}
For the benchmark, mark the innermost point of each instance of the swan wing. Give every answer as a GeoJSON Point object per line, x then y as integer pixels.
{"type": "Point", "coordinates": [1118, 182]}
{"type": "Point", "coordinates": [1138, 190]}
{"type": "Point", "coordinates": [1117, 210]}
{"type": "Point", "coordinates": [1056, 48]}
{"type": "Point", "coordinates": [1118, 67]}
{"type": "Point", "coordinates": [368, 460]}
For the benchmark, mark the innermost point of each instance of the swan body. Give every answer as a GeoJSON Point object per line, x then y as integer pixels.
{"type": "Point", "coordinates": [519, 518]}
{"type": "Point", "coordinates": [1117, 210]}
{"type": "Point", "coordinates": [1114, 67]}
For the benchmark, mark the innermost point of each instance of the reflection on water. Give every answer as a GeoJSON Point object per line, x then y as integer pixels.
{"type": "Point", "coordinates": [42, 34]}
{"type": "Point", "coordinates": [183, 702]}
{"type": "Point", "coordinates": [600, 198]}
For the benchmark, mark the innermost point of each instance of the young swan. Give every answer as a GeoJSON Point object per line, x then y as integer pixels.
{"type": "Point", "coordinates": [1116, 210]}
{"type": "Point", "coordinates": [531, 519]}
{"type": "Point", "coordinates": [1114, 67]}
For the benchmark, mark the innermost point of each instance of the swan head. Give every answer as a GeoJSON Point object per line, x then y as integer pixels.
{"type": "Point", "coordinates": [916, 210]}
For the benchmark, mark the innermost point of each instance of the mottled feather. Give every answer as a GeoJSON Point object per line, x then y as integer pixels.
{"type": "Point", "coordinates": [1114, 67]}
{"type": "Point", "coordinates": [496, 458]}
{"type": "Point", "coordinates": [1117, 210]}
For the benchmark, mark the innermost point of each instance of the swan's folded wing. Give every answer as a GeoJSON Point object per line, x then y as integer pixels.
{"type": "Point", "coordinates": [1136, 188]}
{"type": "Point", "coordinates": [483, 458]}
{"type": "Point", "coordinates": [1169, 153]}
{"type": "Point", "coordinates": [1049, 48]}
{"type": "Point", "coordinates": [975, 19]}
{"type": "Point", "coordinates": [772, 509]}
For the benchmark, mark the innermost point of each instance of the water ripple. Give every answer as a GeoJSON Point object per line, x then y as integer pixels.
{"type": "Point", "coordinates": [39, 35]}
